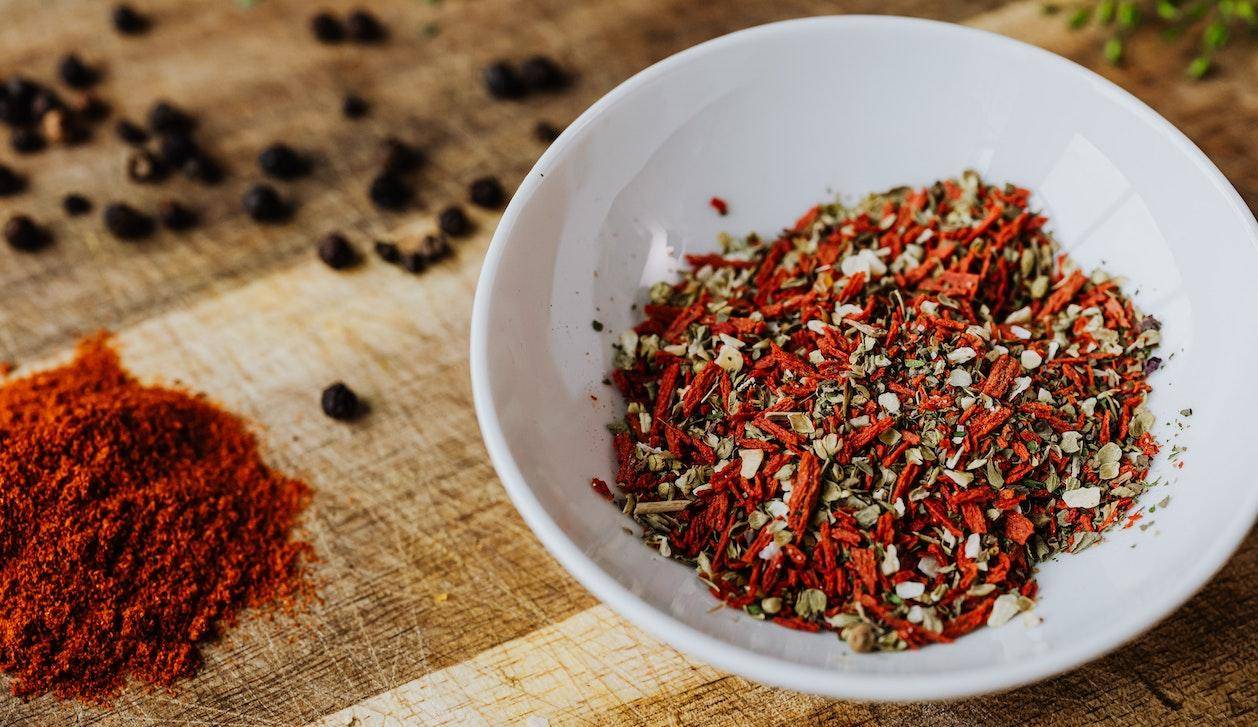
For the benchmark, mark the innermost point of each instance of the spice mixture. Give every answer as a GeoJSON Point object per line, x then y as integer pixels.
{"type": "Point", "coordinates": [135, 523]}
{"type": "Point", "coordinates": [881, 421]}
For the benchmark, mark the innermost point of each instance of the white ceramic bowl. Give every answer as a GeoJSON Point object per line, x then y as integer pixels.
{"type": "Point", "coordinates": [774, 119]}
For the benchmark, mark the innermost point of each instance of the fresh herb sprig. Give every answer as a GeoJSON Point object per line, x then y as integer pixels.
{"type": "Point", "coordinates": [1217, 21]}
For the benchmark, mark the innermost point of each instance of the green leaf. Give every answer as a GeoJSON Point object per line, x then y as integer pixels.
{"type": "Point", "coordinates": [1114, 50]}
{"type": "Point", "coordinates": [1079, 18]}
{"type": "Point", "coordinates": [1199, 66]}
{"type": "Point", "coordinates": [1215, 35]}
{"type": "Point", "coordinates": [1167, 11]}
{"type": "Point", "coordinates": [1245, 11]}
{"type": "Point", "coordinates": [1128, 14]}
{"type": "Point", "coordinates": [1105, 11]}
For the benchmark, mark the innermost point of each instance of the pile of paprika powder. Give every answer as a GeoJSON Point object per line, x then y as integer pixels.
{"type": "Point", "coordinates": [135, 522]}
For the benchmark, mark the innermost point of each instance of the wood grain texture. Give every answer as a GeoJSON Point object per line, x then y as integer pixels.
{"type": "Point", "coordinates": [438, 604]}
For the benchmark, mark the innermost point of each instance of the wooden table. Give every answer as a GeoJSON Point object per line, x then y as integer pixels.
{"type": "Point", "coordinates": [438, 604]}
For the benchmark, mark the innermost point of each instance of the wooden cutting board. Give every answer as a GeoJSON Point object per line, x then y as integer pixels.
{"type": "Point", "coordinates": [438, 605]}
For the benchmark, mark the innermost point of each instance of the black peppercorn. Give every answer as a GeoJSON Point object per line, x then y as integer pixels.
{"type": "Point", "coordinates": [264, 204]}
{"type": "Point", "coordinates": [363, 27]}
{"type": "Point", "coordinates": [76, 204]}
{"type": "Point", "coordinates": [387, 252]}
{"type": "Point", "coordinates": [44, 101]}
{"type": "Point", "coordinates": [433, 248]}
{"type": "Point", "coordinates": [340, 402]}
{"type": "Point", "coordinates": [126, 222]}
{"type": "Point", "coordinates": [336, 252]}
{"type": "Point", "coordinates": [326, 28]}
{"type": "Point", "coordinates": [131, 132]}
{"type": "Point", "coordinates": [389, 191]}
{"type": "Point", "coordinates": [18, 96]}
{"type": "Point", "coordinates": [545, 132]}
{"type": "Point", "coordinates": [144, 168]}
{"type": "Point", "coordinates": [27, 141]}
{"type": "Point", "coordinates": [11, 182]}
{"type": "Point", "coordinates": [502, 81]}
{"type": "Point", "coordinates": [414, 262]}
{"type": "Point", "coordinates": [75, 73]}
{"type": "Point", "coordinates": [23, 234]}
{"type": "Point", "coordinates": [177, 148]}
{"type": "Point", "coordinates": [281, 161]}
{"type": "Point", "coordinates": [400, 157]}
{"type": "Point", "coordinates": [175, 216]}
{"type": "Point", "coordinates": [354, 107]}
{"type": "Point", "coordinates": [540, 73]}
{"type": "Point", "coordinates": [128, 22]}
{"type": "Point", "coordinates": [487, 192]}
{"type": "Point", "coordinates": [166, 118]}
{"type": "Point", "coordinates": [454, 222]}
{"type": "Point", "coordinates": [91, 108]}
{"type": "Point", "coordinates": [203, 169]}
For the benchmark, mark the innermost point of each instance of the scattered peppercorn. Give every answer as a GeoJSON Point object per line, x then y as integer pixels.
{"type": "Point", "coordinates": [414, 262]}
{"type": "Point", "coordinates": [336, 252]}
{"type": "Point", "coordinates": [175, 216]}
{"type": "Point", "coordinates": [91, 108]}
{"type": "Point", "coordinates": [144, 168]}
{"type": "Point", "coordinates": [203, 169]}
{"type": "Point", "coordinates": [27, 141]}
{"type": "Point", "coordinates": [400, 157]}
{"type": "Point", "coordinates": [11, 182]}
{"type": "Point", "coordinates": [389, 191]}
{"type": "Point", "coordinates": [340, 402]}
{"type": "Point", "coordinates": [44, 100]}
{"type": "Point", "coordinates": [75, 73]}
{"type": "Point", "coordinates": [126, 222]}
{"type": "Point", "coordinates": [16, 98]}
{"type": "Point", "coordinates": [388, 252]}
{"type": "Point", "coordinates": [545, 132]}
{"type": "Point", "coordinates": [166, 118]}
{"type": "Point", "coordinates": [354, 107]}
{"type": "Point", "coordinates": [23, 234]}
{"type": "Point", "coordinates": [502, 81]}
{"type": "Point", "coordinates": [487, 192]}
{"type": "Point", "coordinates": [76, 204]}
{"type": "Point", "coordinates": [129, 22]}
{"type": "Point", "coordinates": [431, 249]}
{"type": "Point", "coordinates": [541, 73]}
{"type": "Point", "coordinates": [326, 28]}
{"type": "Point", "coordinates": [176, 148]}
{"type": "Point", "coordinates": [281, 161]}
{"type": "Point", "coordinates": [264, 204]}
{"type": "Point", "coordinates": [720, 205]}
{"type": "Point", "coordinates": [454, 222]}
{"type": "Point", "coordinates": [131, 132]}
{"type": "Point", "coordinates": [363, 27]}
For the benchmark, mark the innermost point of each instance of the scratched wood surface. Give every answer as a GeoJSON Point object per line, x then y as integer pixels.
{"type": "Point", "coordinates": [438, 606]}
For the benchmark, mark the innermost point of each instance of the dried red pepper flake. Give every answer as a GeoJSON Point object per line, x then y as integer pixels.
{"type": "Point", "coordinates": [720, 205]}
{"type": "Point", "coordinates": [881, 421]}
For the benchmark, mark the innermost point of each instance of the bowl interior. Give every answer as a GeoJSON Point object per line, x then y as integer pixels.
{"type": "Point", "coordinates": [774, 120]}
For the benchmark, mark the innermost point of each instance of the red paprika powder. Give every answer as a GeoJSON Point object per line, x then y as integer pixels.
{"type": "Point", "coordinates": [135, 522]}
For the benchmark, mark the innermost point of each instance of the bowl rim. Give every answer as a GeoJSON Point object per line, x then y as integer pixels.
{"type": "Point", "coordinates": [771, 670]}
